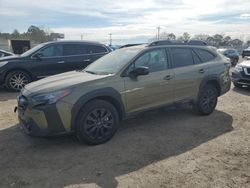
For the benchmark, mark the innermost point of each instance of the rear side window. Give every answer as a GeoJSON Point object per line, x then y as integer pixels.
{"type": "Point", "coordinates": [94, 49]}
{"type": "Point", "coordinates": [74, 49]}
{"type": "Point", "coordinates": [181, 57]}
{"type": "Point", "coordinates": [204, 55]}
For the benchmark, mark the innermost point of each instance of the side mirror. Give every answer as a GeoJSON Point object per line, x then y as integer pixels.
{"type": "Point", "coordinates": [141, 70]}
{"type": "Point", "coordinates": [38, 55]}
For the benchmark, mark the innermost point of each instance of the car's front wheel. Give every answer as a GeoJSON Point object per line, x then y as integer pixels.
{"type": "Point", "coordinates": [207, 100]}
{"type": "Point", "coordinates": [97, 122]}
{"type": "Point", "coordinates": [16, 80]}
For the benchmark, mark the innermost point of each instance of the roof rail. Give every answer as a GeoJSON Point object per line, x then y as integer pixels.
{"type": "Point", "coordinates": [177, 42]}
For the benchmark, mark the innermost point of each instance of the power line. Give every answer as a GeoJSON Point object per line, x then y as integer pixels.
{"type": "Point", "coordinates": [158, 33]}
{"type": "Point", "coordinates": [110, 39]}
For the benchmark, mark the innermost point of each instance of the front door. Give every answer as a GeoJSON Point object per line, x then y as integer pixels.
{"type": "Point", "coordinates": [154, 89]}
{"type": "Point", "coordinates": [49, 63]}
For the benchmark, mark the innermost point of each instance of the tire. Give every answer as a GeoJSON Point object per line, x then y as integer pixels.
{"type": "Point", "coordinates": [16, 80]}
{"type": "Point", "coordinates": [97, 122]}
{"type": "Point", "coordinates": [207, 100]}
{"type": "Point", "coordinates": [237, 85]}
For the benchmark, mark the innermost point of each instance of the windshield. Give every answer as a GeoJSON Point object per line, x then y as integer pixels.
{"type": "Point", "coordinates": [32, 50]}
{"type": "Point", "coordinates": [112, 62]}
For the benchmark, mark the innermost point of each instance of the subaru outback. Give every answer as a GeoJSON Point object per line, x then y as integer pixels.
{"type": "Point", "coordinates": [91, 102]}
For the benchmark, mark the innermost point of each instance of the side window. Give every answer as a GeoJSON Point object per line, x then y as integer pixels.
{"type": "Point", "coordinates": [52, 51]}
{"type": "Point", "coordinates": [196, 58]}
{"type": "Point", "coordinates": [93, 49]}
{"type": "Point", "coordinates": [181, 57]}
{"type": "Point", "coordinates": [74, 49]}
{"type": "Point", "coordinates": [204, 55]}
{"type": "Point", "coordinates": [155, 60]}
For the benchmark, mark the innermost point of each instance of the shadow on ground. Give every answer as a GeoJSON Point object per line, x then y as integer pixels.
{"type": "Point", "coordinates": [243, 90]}
{"type": "Point", "coordinates": [7, 95]}
{"type": "Point", "coordinates": [61, 161]}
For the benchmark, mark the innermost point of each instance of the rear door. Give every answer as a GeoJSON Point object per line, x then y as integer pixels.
{"type": "Point", "coordinates": [154, 89]}
{"type": "Point", "coordinates": [96, 51]}
{"type": "Point", "coordinates": [76, 56]}
{"type": "Point", "coordinates": [188, 74]}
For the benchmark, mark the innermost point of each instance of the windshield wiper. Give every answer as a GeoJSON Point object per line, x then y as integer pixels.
{"type": "Point", "coordinates": [91, 72]}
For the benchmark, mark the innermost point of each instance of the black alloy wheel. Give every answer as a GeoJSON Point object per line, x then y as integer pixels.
{"type": "Point", "coordinates": [97, 122]}
{"type": "Point", "coordinates": [207, 100]}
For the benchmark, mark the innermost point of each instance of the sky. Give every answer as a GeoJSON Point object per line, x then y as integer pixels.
{"type": "Point", "coordinates": [127, 20]}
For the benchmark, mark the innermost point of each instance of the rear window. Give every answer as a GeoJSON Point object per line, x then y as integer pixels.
{"type": "Point", "coordinates": [204, 55]}
{"type": "Point", "coordinates": [93, 49]}
{"type": "Point", "coordinates": [74, 49]}
{"type": "Point", "coordinates": [181, 57]}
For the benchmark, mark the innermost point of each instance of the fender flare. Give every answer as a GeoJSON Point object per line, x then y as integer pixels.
{"type": "Point", "coordinates": [104, 93]}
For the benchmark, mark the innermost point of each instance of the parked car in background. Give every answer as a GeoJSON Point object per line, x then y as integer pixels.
{"type": "Point", "coordinates": [129, 45]}
{"type": "Point", "coordinates": [48, 59]}
{"type": "Point", "coordinates": [4, 53]}
{"type": "Point", "coordinates": [241, 74]}
{"type": "Point", "coordinates": [127, 81]}
{"type": "Point", "coordinates": [232, 54]}
{"type": "Point", "coordinates": [246, 52]}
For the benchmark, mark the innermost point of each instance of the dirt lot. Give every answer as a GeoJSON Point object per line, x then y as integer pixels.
{"type": "Point", "coordinates": [168, 148]}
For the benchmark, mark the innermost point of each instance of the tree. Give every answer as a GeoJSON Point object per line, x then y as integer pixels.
{"type": "Point", "coordinates": [167, 36]}
{"type": "Point", "coordinates": [218, 40]}
{"type": "Point", "coordinates": [236, 43]}
{"type": "Point", "coordinates": [186, 36]}
{"type": "Point", "coordinates": [15, 33]}
{"type": "Point", "coordinates": [200, 37]}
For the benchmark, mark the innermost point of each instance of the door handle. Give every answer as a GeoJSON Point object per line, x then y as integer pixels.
{"type": "Point", "coordinates": [61, 62]}
{"type": "Point", "coordinates": [168, 77]}
{"type": "Point", "coordinates": [86, 60]}
{"type": "Point", "coordinates": [201, 71]}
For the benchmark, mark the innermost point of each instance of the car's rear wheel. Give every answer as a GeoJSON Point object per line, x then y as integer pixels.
{"type": "Point", "coordinates": [207, 100]}
{"type": "Point", "coordinates": [16, 80]}
{"type": "Point", "coordinates": [97, 122]}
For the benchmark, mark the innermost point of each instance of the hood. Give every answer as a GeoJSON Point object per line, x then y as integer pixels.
{"type": "Point", "coordinates": [61, 81]}
{"type": "Point", "coordinates": [11, 58]}
{"type": "Point", "coordinates": [245, 64]}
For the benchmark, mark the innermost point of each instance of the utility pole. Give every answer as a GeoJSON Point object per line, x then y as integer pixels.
{"type": "Point", "coordinates": [110, 39]}
{"type": "Point", "coordinates": [158, 33]}
{"type": "Point", "coordinates": [81, 36]}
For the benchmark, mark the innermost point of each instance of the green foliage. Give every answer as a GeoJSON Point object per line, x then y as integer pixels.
{"type": "Point", "coordinates": [33, 33]}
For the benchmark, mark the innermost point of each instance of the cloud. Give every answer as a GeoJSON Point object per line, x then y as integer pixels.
{"type": "Point", "coordinates": [128, 20]}
{"type": "Point", "coordinates": [245, 16]}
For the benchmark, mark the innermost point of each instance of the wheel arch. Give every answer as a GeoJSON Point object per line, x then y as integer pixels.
{"type": "Point", "coordinates": [213, 80]}
{"type": "Point", "coordinates": [107, 94]}
{"type": "Point", "coordinates": [18, 69]}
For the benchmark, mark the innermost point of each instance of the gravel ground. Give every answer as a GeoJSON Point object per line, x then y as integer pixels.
{"type": "Point", "coordinates": [168, 148]}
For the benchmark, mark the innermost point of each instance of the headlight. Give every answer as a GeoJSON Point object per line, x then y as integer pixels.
{"type": "Point", "coordinates": [3, 63]}
{"type": "Point", "coordinates": [50, 98]}
{"type": "Point", "coordinates": [238, 68]}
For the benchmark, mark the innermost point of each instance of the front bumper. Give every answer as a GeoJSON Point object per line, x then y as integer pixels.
{"type": "Point", "coordinates": [39, 121]}
{"type": "Point", "coordinates": [240, 78]}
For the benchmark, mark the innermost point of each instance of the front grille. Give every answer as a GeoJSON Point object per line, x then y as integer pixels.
{"type": "Point", "coordinates": [246, 72]}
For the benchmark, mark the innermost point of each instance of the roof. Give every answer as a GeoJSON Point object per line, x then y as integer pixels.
{"type": "Point", "coordinates": [74, 41]}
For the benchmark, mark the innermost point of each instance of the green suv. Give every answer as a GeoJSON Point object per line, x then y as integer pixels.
{"type": "Point", "coordinates": [91, 102]}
